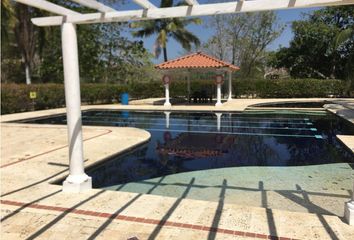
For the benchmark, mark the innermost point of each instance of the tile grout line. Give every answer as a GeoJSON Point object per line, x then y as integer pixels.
{"type": "Point", "coordinates": [146, 220]}
{"type": "Point", "coordinates": [52, 150]}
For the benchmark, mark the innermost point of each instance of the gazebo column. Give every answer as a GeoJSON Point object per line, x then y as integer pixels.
{"type": "Point", "coordinates": [218, 95]}
{"type": "Point", "coordinates": [77, 180]}
{"type": "Point", "coordinates": [167, 96]}
{"type": "Point", "coordinates": [230, 87]}
{"type": "Point", "coordinates": [349, 210]}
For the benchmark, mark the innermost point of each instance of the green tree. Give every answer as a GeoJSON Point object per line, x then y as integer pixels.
{"type": "Point", "coordinates": [123, 60]}
{"type": "Point", "coordinates": [167, 28]}
{"type": "Point", "coordinates": [242, 39]}
{"type": "Point", "coordinates": [322, 46]}
{"type": "Point", "coordinates": [8, 19]}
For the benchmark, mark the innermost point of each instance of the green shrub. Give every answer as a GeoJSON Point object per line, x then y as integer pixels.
{"type": "Point", "coordinates": [15, 97]}
{"type": "Point", "coordinates": [291, 88]}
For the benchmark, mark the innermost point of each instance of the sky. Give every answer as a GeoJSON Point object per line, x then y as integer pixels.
{"type": "Point", "coordinates": [285, 17]}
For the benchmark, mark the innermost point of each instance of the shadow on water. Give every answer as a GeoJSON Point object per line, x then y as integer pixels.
{"type": "Point", "coordinates": [230, 187]}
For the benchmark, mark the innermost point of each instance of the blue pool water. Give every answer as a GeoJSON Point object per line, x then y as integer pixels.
{"type": "Point", "coordinates": [185, 142]}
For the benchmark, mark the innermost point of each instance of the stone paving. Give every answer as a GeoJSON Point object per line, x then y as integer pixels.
{"type": "Point", "coordinates": [33, 208]}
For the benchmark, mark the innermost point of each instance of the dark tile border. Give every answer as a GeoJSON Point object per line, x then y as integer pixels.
{"type": "Point", "coordinates": [145, 220]}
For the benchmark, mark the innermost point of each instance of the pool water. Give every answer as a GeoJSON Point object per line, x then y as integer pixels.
{"type": "Point", "coordinates": [183, 142]}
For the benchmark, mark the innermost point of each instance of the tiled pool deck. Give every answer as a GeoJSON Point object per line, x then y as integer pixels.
{"type": "Point", "coordinates": [32, 156]}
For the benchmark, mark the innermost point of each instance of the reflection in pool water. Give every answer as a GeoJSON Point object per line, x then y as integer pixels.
{"type": "Point", "coordinates": [184, 142]}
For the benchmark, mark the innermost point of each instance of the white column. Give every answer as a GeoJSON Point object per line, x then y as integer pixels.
{"type": "Point", "coordinates": [218, 121]}
{"type": "Point", "coordinates": [167, 96]}
{"type": "Point", "coordinates": [77, 180]}
{"type": "Point", "coordinates": [349, 210]}
{"type": "Point", "coordinates": [167, 115]}
{"type": "Point", "coordinates": [218, 96]}
{"type": "Point", "coordinates": [230, 87]}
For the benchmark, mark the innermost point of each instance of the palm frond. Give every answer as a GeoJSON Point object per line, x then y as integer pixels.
{"type": "Point", "coordinates": [186, 38]}
{"type": "Point", "coordinates": [147, 28]}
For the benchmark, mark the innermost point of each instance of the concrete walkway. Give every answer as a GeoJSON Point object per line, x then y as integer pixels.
{"type": "Point", "coordinates": [32, 156]}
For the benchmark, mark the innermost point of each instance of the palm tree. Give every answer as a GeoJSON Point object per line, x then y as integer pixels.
{"type": "Point", "coordinates": [167, 28]}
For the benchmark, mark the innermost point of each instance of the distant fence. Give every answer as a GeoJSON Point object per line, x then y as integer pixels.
{"type": "Point", "coordinates": [16, 97]}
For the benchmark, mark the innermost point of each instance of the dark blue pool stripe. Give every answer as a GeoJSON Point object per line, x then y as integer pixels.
{"type": "Point", "coordinates": [238, 133]}
{"type": "Point", "coordinates": [209, 116]}
{"type": "Point", "coordinates": [186, 120]}
{"type": "Point", "coordinates": [317, 113]}
{"type": "Point", "coordinates": [212, 126]}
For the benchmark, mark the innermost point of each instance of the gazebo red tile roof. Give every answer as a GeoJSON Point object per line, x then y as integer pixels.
{"type": "Point", "coordinates": [195, 60]}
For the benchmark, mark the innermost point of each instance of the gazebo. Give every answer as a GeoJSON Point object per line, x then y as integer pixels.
{"type": "Point", "coordinates": [200, 61]}
{"type": "Point", "coordinates": [78, 181]}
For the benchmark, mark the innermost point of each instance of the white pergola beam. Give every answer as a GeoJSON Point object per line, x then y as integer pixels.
{"type": "Point", "coordinates": [145, 4]}
{"type": "Point", "coordinates": [192, 2]}
{"type": "Point", "coordinates": [94, 5]}
{"type": "Point", "coordinates": [187, 11]}
{"type": "Point", "coordinates": [50, 7]}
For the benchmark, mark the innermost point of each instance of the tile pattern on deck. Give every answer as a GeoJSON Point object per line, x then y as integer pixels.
{"type": "Point", "coordinates": [161, 223]}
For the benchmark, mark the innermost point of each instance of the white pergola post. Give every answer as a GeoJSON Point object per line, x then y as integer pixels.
{"type": "Point", "coordinates": [218, 95]}
{"type": "Point", "coordinates": [77, 180]}
{"type": "Point", "coordinates": [218, 121]}
{"type": "Point", "coordinates": [349, 210]}
{"type": "Point", "coordinates": [167, 96]}
{"type": "Point", "coordinates": [230, 87]}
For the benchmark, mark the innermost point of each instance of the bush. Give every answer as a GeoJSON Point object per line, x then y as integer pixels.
{"type": "Point", "coordinates": [15, 97]}
{"type": "Point", "coordinates": [291, 88]}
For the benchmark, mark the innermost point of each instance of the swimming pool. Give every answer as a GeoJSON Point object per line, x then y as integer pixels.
{"type": "Point", "coordinates": [252, 151]}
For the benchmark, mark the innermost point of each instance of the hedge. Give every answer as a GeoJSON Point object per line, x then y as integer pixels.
{"type": "Point", "coordinates": [15, 97]}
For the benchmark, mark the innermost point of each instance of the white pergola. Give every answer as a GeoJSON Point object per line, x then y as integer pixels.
{"type": "Point", "coordinates": [77, 180]}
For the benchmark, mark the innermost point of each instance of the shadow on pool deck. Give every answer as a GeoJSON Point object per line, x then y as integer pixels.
{"type": "Point", "coordinates": [155, 232]}
{"type": "Point", "coordinates": [291, 195]}
{"type": "Point", "coordinates": [171, 210]}
{"type": "Point", "coordinates": [27, 205]}
{"type": "Point", "coordinates": [61, 216]}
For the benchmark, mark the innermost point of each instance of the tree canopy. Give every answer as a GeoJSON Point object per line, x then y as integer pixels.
{"type": "Point", "coordinates": [242, 39]}
{"type": "Point", "coordinates": [322, 47]}
{"type": "Point", "coordinates": [34, 54]}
